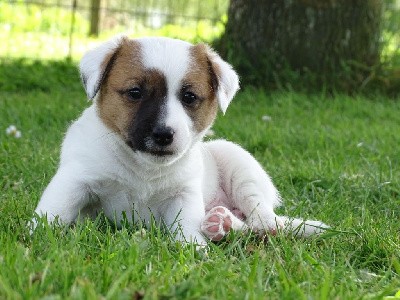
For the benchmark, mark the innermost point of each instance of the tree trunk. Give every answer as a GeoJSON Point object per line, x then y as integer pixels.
{"type": "Point", "coordinates": [327, 38]}
{"type": "Point", "coordinates": [94, 17]}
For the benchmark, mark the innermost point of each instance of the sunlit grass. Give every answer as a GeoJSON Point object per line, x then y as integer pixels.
{"type": "Point", "coordinates": [39, 45]}
{"type": "Point", "coordinates": [34, 32]}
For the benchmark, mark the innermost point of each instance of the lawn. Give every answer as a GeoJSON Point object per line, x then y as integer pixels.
{"type": "Point", "coordinates": [333, 157]}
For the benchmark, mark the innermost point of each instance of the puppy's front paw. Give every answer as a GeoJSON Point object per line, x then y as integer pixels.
{"type": "Point", "coordinates": [265, 223]}
{"type": "Point", "coordinates": [216, 223]}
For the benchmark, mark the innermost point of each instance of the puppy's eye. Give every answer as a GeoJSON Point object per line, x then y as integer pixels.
{"type": "Point", "coordinates": [135, 93]}
{"type": "Point", "coordinates": [189, 99]}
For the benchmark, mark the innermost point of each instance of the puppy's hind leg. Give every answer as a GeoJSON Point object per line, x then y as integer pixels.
{"type": "Point", "coordinates": [303, 228]}
{"type": "Point", "coordinates": [250, 189]}
{"type": "Point", "coordinates": [247, 186]}
{"type": "Point", "coordinates": [219, 221]}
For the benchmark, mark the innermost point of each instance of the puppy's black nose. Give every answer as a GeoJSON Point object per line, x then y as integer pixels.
{"type": "Point", "coordinates": [163, 136]}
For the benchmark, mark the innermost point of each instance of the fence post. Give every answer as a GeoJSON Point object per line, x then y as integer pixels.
{"type": "Point", "coordinates": [71, 30]}
{"type": "Point", "coordinates": [94, 17]}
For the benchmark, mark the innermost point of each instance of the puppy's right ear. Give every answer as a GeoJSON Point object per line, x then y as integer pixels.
{"type": "Point", "coordinates": [96, 63]}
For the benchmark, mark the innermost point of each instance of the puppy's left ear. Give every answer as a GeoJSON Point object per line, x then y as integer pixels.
{"type": "Point", "coordinates": [228, 80]}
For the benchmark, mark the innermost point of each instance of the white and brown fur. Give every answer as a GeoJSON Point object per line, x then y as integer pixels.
{"type": "Point", "coordinates": [138, 150]}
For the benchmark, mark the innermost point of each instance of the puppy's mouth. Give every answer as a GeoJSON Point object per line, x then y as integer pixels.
{"type": "Point", "coordinates": [155, 151]}
{"type": "Point", "coordinates": [161, 152]}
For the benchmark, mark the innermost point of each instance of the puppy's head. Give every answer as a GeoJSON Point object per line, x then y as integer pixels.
{"type": "Point", "coordinates": [159, 95]}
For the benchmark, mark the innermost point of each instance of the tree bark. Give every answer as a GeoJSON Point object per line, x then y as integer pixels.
{"type": "Point", "coordinates": [265, 38]}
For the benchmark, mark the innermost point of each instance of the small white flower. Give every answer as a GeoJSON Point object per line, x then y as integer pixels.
{"type": "Point", "coordinates": [360, 144]}
{"type": "Point", "coordinates": [266, 118]}
{"type": "Point", "coordinates": [12, 130]}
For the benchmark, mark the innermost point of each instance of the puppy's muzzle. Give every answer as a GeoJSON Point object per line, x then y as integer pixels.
{"type": "Point", "coordinates": [163, 135]}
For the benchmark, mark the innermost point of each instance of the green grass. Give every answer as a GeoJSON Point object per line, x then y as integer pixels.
{"type": "Point", "coordinates": [333, 158]}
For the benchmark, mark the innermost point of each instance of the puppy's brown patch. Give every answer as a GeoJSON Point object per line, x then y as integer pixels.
{"type": "Point", "coordinates": [123, 70]}
{"type": "Point", "coordinates": [133, 119]}
{"type": "Point", "coordinates": [202, 80]}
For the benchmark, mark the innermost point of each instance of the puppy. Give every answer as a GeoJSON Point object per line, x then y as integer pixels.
{"type": "Point", "coordinates": [137, 152]}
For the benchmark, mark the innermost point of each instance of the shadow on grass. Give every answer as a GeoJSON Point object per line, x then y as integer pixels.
{"type": "Point", "coordinates": [24, 75]}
